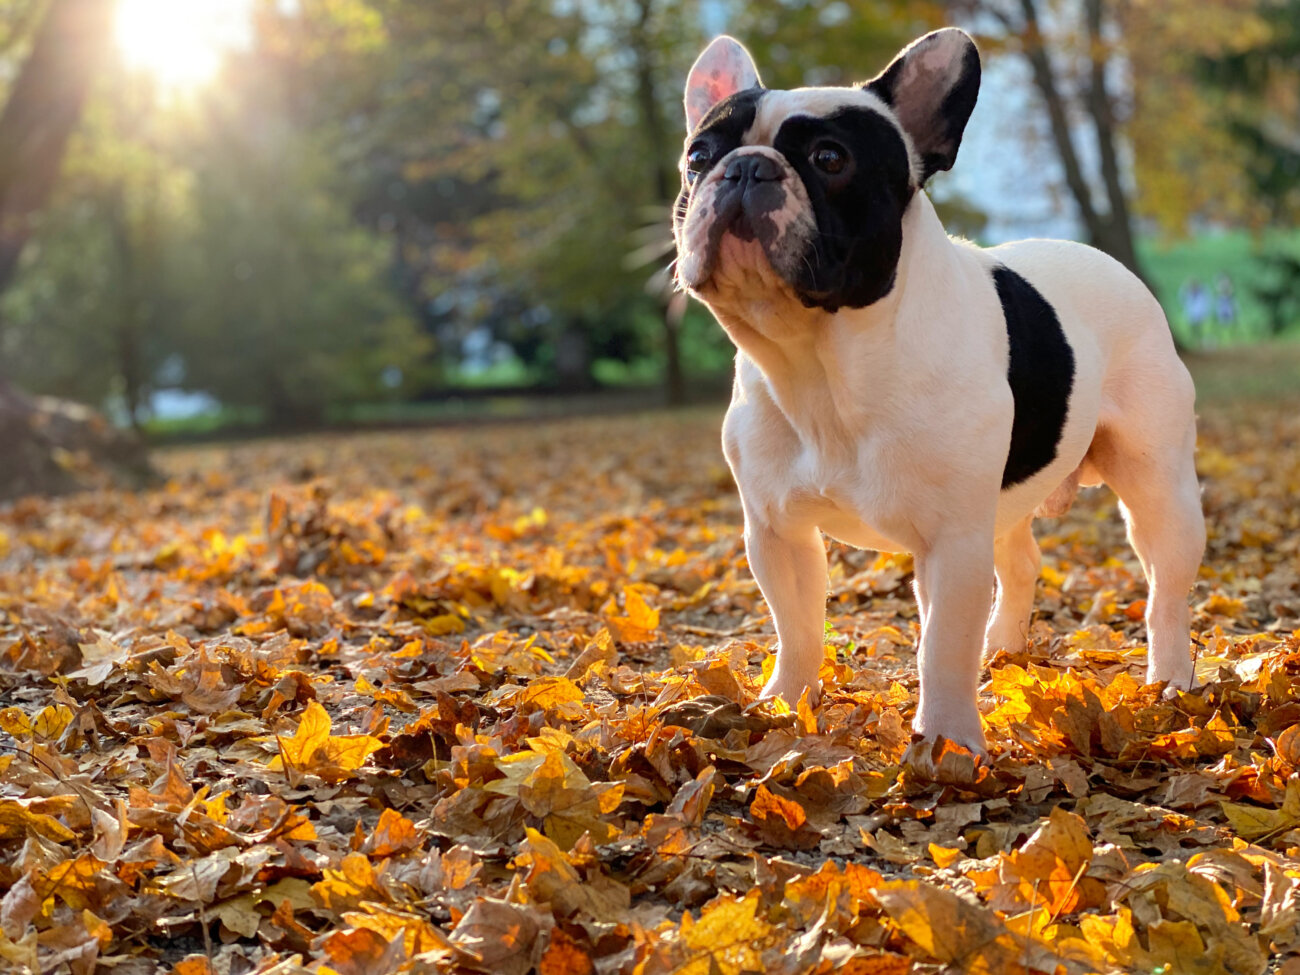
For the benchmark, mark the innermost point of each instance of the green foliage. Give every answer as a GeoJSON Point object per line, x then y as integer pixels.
{"type": "Point", "coordinates": [212, 249]}
{"type": "Point", "coordinates": [289, 305]}
{"type": "Point", "coordinates": [1258, 89]}
{"type": "Point", "coordinates": [55, 335]}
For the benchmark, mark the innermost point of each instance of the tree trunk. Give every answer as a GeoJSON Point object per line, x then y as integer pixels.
{"type": "Point", "coordinates": [126, 329]}
{"type": "Point", "coordinates": [1112, 230]}
{"type": "Point", "coordinates": [657, 142]}
{"type": "Point", "coordinates": [1118, 237]}
{"type": "Point", "coordinates": [47, 446]}
{"type": "Point", "coordinates": [44, 108]}
{"type": "Point", "coordinates": [1035, 51]}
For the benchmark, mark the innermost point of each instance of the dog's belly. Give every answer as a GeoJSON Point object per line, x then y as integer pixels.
{"type": "Point", "coordinates": [844, 527]}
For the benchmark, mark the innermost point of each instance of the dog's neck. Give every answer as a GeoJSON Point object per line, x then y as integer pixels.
{"type": "Point", "coordinates": [817, 365]}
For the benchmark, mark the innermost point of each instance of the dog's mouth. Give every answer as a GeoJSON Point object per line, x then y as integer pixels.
{"type": "Point", "coordinates": [728, 218]}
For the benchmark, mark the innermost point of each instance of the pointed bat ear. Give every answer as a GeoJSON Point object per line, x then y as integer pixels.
{"type": "Point", "coordinates": [723, 69]}
{"type": "Point", "coordinates": [932, 86]}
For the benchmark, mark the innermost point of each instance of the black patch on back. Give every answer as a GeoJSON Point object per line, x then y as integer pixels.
{"type": "Point", "coordinates": [1041, 373]}
{"type": "Point", "coordinates": [859, 213]}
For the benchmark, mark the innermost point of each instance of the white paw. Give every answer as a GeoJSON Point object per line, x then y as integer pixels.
{"type": "Point", "coordinates": [962, 729]}
{"type": "Point", "coordinates": [791, 689]}
{"type": "Point", "coordinates": [1005, 637]}
{"type": "Point", "coordinates": [993, 644]}
{"type": "Point", "coordinates": [1182, 678]}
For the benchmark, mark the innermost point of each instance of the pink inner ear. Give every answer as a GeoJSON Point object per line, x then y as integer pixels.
{"type": "Point", "coordinates": [708, 93]}
{"type": "Point", "coordinates": [722, 70]}
{"type": "Point", "coordinates": [718, 87]}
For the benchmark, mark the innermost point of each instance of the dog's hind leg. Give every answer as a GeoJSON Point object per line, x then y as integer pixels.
{"type": "Point", "coordinates": [1016, 561]}
{"type": "Point", "coordinates": [1154, 474]}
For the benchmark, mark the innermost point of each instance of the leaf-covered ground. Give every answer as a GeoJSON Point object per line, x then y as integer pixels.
{"type": "Point", "coordinates": [478, 701]}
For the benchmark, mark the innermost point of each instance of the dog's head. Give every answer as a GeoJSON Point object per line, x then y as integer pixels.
{"type": "Point", "coordinates": [803, 192]}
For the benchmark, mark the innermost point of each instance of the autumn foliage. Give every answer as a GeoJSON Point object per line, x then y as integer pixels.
{"type": "Point", "coordinates": [483, 702]}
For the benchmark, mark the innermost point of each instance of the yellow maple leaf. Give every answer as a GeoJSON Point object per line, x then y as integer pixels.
{"type": "Point", "coordinates": [395, 834]}
{"type": "Point", "coordinates": [1048, 869]}
{"type": "Point", "coordinates": [18, 819]}
{"type": "Point", "coordinates": [552, 878]}
{"type": "Point", "coordinates": [729, 938]}
{"type": "Point", "coordinates": [544, 693]}
{"type": "Point", "coordinates": [951, 930]}
{"type": "Point", "coordinates": [556, 791]}
{"type": "Point", "coordinates": [1253, 823]}
{"type": "Point", "coordinates": [312, 749]}
{"type": "Point", "coordinates": [347, 887]}
{"type": "Point", "coordinates": [416, 934]}
{"type": "Point", "coordinates": [944, 856]}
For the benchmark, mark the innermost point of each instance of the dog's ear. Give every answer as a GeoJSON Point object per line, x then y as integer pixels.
{"type": "Point", "coordinates": [723, 69]}
{"type": "Point", "coordinates": [932, 86]}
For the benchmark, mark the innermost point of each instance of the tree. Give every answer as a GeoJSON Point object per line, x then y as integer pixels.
{"type": "Point", "coordinates": [1254, 90]}
{"type": "Point", "coordinates": [289, 306]}
{"type": "Point", "coordinates": [511, 149]}
{"type": "Point", "coordinates": [1132, 128]}
{"type": "Point", "coordinates": [1072, 60]}
{"type": "Point", "coordinates": [43, 109]}
{"type": "Point", "coordinates": [88, 317]}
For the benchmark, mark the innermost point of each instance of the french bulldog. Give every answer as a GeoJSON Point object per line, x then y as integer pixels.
{"type": "Point", "coordinates": [901, 390]}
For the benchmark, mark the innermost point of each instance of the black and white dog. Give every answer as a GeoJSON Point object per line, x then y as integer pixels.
{"type": "Point", "coordinates": [901, 390]}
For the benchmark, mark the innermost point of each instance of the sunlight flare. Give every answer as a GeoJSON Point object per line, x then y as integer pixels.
{"type": "Point", "coordinates": [181, 44]}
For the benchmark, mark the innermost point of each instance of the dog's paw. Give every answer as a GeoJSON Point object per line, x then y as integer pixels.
{"type": "Point", "coordinates": [791, 690]}
{"type": "Point", "coordinates": [965, 731]}
{"type": "Point", "coordinates": [1002, 637]}
{"type": "Point", "coordinates": [1175, 687]}
{"type": "Point", "coordinates": [1183, 680]}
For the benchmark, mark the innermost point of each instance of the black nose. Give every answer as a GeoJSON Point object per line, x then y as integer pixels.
{"type": "Point", "coordinates": [753, 168]}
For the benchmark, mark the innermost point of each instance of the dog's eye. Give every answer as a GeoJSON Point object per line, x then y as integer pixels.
{"type": "Point", "coordinates": [830, 158]}
{"type": "Point", "coordinates": [697, 161]}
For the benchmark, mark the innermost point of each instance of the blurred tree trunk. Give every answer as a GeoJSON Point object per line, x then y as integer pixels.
{"type": "Point", "coordinates": [655, 129]}
{"type": "Point", "coordinates": [1109, 229]}
{"type": "Point", "coordinates": [130, 312]}
{"type": "Point", "coordinates": [48, 446]}
{"type": "Point", "coordinates": [43, 109]}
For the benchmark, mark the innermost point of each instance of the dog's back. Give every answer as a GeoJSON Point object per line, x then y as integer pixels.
{"type": "Point", "coordinates": [1103, 305]}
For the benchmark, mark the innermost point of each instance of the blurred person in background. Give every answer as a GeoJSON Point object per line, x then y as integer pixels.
{"type": "Point", "coordinates": [1196, 309]}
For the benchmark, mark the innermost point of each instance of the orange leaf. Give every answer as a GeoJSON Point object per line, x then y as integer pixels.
{"type": "Point", "coordinates": [563, 956]}
{"type": "Point", "coordinates": [641, 622]}
{"type": "Point", "coordinates": [395, 834]}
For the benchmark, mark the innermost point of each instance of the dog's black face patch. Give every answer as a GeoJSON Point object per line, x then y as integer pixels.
{"type": "Point", "coordinates": [853, 257]}
{"type": "Point", "coordinates": [719, 132]}
{"type": "Point", "coordinates": [855, 170]}
{"type": "Point", "coordinates": [1041, 374]}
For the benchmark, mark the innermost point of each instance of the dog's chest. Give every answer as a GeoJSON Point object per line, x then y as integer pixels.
{"type": "Point", "coordinates": [851, 493]}
{"type": "Point", "coordinates": [855, 497]}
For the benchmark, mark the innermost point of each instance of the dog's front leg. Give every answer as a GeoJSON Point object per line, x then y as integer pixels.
{"type": "Point", "coordinates": [790, 567]}
{"type": "Point", "coordinates": [955, 574]}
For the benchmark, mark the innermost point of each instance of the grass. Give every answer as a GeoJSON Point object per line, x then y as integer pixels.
{"type": "Point", "coordinates": [1264, 371]}
{"type": "Point", "coordinates": [1170, 266]}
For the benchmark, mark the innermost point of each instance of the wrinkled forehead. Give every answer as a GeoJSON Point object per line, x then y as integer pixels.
{"type": "Point", "coordinates": [776, 106]}
{"type": "Point", "coordinates": [754, 117]}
